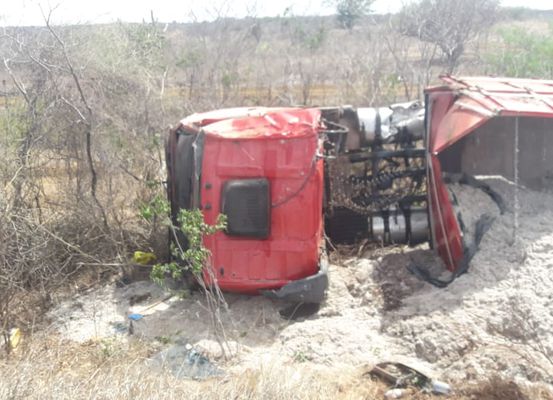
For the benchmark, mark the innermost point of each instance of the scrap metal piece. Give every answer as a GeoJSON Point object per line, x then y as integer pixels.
{"type": "Point", "coordinates": [308, 290]}
{"type": "Point", "coordinates": [399, 375]}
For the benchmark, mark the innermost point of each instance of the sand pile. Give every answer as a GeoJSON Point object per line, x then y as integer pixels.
{"type": "Point", "coordinates": [497, 318]}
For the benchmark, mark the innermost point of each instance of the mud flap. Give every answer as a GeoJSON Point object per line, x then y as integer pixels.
{"type": "Point", "coordinates": [483, 224]}
{"type": "Point", "coordinates": [308, 290]}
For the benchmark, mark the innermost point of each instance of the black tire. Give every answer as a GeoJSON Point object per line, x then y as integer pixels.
{"type": "Point", "coordinates": [181, 176]}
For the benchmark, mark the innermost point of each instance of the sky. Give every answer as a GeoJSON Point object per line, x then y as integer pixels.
{"type": "Point", "coordinates": [28, 12]}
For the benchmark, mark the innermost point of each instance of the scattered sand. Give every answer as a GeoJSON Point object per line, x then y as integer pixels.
{"type": "Point", "coordinates": [496, 319]}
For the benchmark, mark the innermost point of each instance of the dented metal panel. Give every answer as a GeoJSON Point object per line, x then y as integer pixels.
{"type": "Point", "coordinates": [465, 107]}
{"type": "Point", "coordinates": [287, 158]}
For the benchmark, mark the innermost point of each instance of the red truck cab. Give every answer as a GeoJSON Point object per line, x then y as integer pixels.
{"type": "Point", "coordinates": [261, 167]}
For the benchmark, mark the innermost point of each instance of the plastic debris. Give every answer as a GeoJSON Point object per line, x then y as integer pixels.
{"type": "Point", "coordinates": [135, 316]}
{"type": "Point", "coordinates": [439, 387]}
{"type": "Point", "coordinates": [119, 327]}
{"type": "Point", "coordinates": [184, 361]}
{"type": "Point", "coordinates": [159, 305]}
{"type": "Point", "coordinates": [143, 258]}
{"type": "Point", "coordinates": [397, 393]}
{"type": "Point", "coordinates": [15, 337]}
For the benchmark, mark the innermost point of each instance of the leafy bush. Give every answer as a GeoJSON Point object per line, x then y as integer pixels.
{"type": "Point", "coordinates": [193, 257]}
{"type": "Point", "coordinates": [523, 54]}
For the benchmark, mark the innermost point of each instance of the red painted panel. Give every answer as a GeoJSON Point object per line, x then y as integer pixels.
{"type": "Point", "coordinates": [462, 118]}
{"type": "Point", "coordinates": [502, 85]}
{"type": "Point", "coordinates": [506, 96]}
{"type": "Point", "coordinates": [199, 120]}
{"type": "Point", "coordinates": [457, 110]}
{"type": "Point", "coordinates": [287, 157]}
{"type": "Point", "coordinates": [445, 228]}
{"type": "Point", "coordinates": [445, 127]}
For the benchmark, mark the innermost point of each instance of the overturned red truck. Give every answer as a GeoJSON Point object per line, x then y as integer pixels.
{"type": "Point", "coordinates": [288, 179]}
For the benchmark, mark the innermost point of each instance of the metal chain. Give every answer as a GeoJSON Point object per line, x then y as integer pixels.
{"type": "Point", "coordinates": [346, 185]}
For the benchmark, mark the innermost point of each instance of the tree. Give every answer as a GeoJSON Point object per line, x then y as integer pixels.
{"type": "Point", "coordinates": [448, 24]}
{"type": "Point", "coordinates": [523, 54]}
{"type": "Point", "coordinates": [349, 11]}
{"type": "Point", "coordinates": [79, 116]}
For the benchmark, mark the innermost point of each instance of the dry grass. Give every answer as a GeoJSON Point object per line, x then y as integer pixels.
{"type": "Point", "coordinates": [52, 369]}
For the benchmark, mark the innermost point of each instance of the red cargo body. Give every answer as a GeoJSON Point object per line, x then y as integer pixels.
{"type": "Point", "coordinates": [471, 126]}
{"type": "Point", "coordinates": [278, 146]}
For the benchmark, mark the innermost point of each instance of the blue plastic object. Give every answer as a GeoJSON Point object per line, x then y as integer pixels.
{"type": "Point", "coordinates": [136, 317]}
